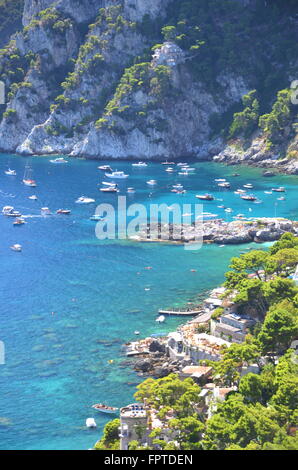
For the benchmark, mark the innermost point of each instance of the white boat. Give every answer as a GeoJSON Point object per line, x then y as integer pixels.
{"type": "Point", "coordinates": [84, 200]}
{"type": "Point", "coordinates": [18, 222]}
{"type": "Point", "coordinates": [131, 190]}
{"type": "Point", "coordinates": [91, 423]}
{"type": "Point", "coordinates": [10, 172]}
{"type": "Point", "coordinates": [224, 185]}
{"type": "Point", "coordinates": [160, 319]}
{"type": "Point", "coordinates": [109, 189]}
{"type": "Point", "coordinates": [108, 184]}
{"type": "Point", "coordinates": [248, 186]}
{"type": "Point", "coordinates": [16, 247]}
{"type": "Point", "coordinates": [152, 182]}
{"type": "Point", "coordinates": [140, 164]}
{"type": "Point", "coordinates": [170, 170]}
{"type": "Point", "coordinates": [45, 211]}
{"type": "Point", "coordinates": [7, 209]}
{"type": "Point", "coordinates": [117, 175]}
{"type": "Point", "coordinates": [182, 164]}
{"type": "Point", "coordinates": [33, 198]}
{"type": "Point", "coordinates": [105, 409]}
{"type": "Point", "coordinates": [281, 189]}
{"type": "Point", "coordinates": [63, 212]}
{"type": "Point", "coordinates": [97, 218]}
{"type": "Point", "coordinates": [59, 160]}
{"type": "Point", "coordinates": [105, 168]}
{"type": "Point", "coordinates": [27, 180]}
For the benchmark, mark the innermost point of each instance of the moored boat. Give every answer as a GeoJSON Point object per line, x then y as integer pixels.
{"type": "Point", "coordinates": [84, 200]}
{"type": "Point", "coordinates": [281, 189]}
{"type": "Point", "coordinates": [10, 172]}
{"type": "Point", "coordinates": [117, 175]}
{"type": "Point", "coordinates": [205, 197]}
{"type": "Point", "coordinates": [59, 160]}
{"type": "Point", "coordinates": [19, 222]}
{"type": "Point", "coordinates": [63, 211]}
{"type": "Point", "coordinates": [105, 408]}
{"type": "Point", "coordinates": [16, 247]}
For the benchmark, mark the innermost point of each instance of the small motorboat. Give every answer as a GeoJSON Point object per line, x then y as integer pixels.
{"type": "Point", "coordinates": [31, 183]}
{"type": "Point", "coordinates": [19, 222]}
{"type": "Point", "coordinates": [63, 211]}
{"type": "Point", "coordinates": [59, 160]}
{"type": "Point", "coordinates": [97, 218]}
{"type": "Point", "coordinates": [10, 172]}
{"type": "Point", "coordinates": [267, 192]}
{"type": "Point", "coordinates": [33, 198]}
{"type": "Point", "coordinates": [13, 213]}
{"type": "Point", "coordinates": [281, 189]}
{"type": "Point", "coordinates": [106, 183]}
{"type": "Point", "coordinates": [7, 209]}
{"type": "Point", "coordinates": [249, 197]}
{"type": "Point", "coordinates": [268, 173]}
{"type": "Point", "coordinates": [224, 185]}
{"type": "Point", "coordinates": [117, 175]}
{"type": "Point", "coordinates": [205, 197]}
{"type": "Point", "coordinates": [240, 191]}
{"type": "Point", "coordinates": [168, 163]}
{"type": "Point", "coordinates": [235, 174]}
{"type": "Point", "coordinates": [109, 189]}
{"type": "Point", "coordinates": [170, 170]}
{"type": "Point", "coordinates": [248, 186]}
{"type": "Point", "coordinates": [84, 200]}
{"type": "Point", "coordinates": [16, 247]}
{"type": "Point", "coordinates": [160, 319]}
{"type": "Point", "coordinates": [151, 182]}
{"type": "Point", "coordinates": [178, 186]}
{"type": "Point", "coordinates": [91, 423]}
{"type": "Point", "coordinates": [105, 168]}
{"type": "Point", "coordinates": [140, 165]}
{"type": "Point", "coordinates": [45, 211]}
{"type": "Point", "coordinates": [282, 198]}
{"type": "Point", "coordinates": [220, 180]}
{"type": "Point", "coordinates": [105, 408]}
{"type": "Point", "coordinates": [182, 164]}
{"type": "Point", "coordinates": [229, 210]}
{"type": "Point", "coordinates": [131, 190]}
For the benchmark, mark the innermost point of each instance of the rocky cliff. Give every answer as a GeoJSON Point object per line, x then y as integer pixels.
{"type": "Point", "coordinates": [158, 79]}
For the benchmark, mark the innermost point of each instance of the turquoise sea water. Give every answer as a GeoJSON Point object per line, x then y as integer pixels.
{"type": "Point", "coordinates": [69, 302]}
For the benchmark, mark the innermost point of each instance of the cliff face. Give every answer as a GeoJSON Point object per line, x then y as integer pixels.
{"type": "Point", "coordinates": [132, 78]}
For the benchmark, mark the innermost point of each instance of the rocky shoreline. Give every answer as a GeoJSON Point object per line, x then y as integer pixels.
{"type": "Point", "coordinates": [219, 232]}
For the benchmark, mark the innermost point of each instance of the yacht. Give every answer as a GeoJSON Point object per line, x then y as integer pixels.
{"type": "Point", "coordinates": [63, 211]}
{"type": "Point", "coordinates": [140, 164]}
{"type": "Point", "coordinates": [224, 185]}
{"type": "Point", "coordinates": [7, 209]}
{"type": "Point", "coordinates": [249, 197]}
{"type": "Point", "coordinates": [16, 247]}
{"type": "Point", "coordinates": [97, 218]}
{"type": "Point", "coordinates": [84, 200]}
{"type": "Point", "coordinates": [105, 168]}
{"type": "Point", "coordinates": [110, 189]}
{"type": "Point", "coordinates": [205, 197]}
{"type": "Point", "coordinates": [19, 222]}
{"type": "Point", "coordinates": [281, 189]}
{"type": "Point", "coordinates": [45, 211]}
{"type": "Point", "coordinates": [59, 160]}
{"type": "Point", "coordinates": [117, 175]}
{"type": "Point", "coordinates": [10, 172]}
{"type": "Point", "coordinates": [12, 213]}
